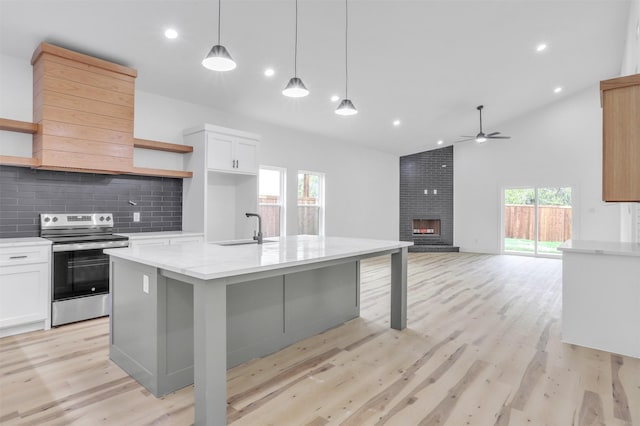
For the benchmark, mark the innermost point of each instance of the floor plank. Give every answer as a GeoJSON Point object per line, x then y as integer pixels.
{"type": "Point", "coordinates": [482, 347]}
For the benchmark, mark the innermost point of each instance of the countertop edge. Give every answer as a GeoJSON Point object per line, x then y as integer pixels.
{"type": "Point", "coordinates": [160, 234]}
{"type": "Point", "coordinates": [611, 248]}
{"type": "Point", "coordinates": [192, 271]}
{"type": "Point", "coordinates": [24, 242]}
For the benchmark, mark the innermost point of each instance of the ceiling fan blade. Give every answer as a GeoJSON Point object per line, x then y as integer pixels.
{"type": "Point", "coordinates": [467, 136]}
{"type": "Point", "coordinates": [498, 137]}
{"type": "Point", "coordinates": [464, 140]}
{"type": "Point", "coordinates": [493, 134]}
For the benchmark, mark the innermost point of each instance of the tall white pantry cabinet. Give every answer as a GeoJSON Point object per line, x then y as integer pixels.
{"type": "Point", "coordinates": [224, 186]}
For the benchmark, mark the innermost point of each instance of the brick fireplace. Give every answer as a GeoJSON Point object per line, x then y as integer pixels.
{"type": "Point", "coordinates": [426, 200]}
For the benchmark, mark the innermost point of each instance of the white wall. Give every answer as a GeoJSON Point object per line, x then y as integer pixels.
{"type": "Point", "coordinates": [631, 58]}
{"type": "Point", "coordinates": [630, 212]}
{"type": "Point", "coordinates": [16, 93]}
{"type": "Point", "coordinates": [362, 185]}
{"type": "Point", "coordinates": [557, 145]}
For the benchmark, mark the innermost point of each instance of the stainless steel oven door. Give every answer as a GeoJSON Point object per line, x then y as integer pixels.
{"type": "Point", "coordinates": [80, 281]}
{"type": "Point", "coordinates": [79, 273]}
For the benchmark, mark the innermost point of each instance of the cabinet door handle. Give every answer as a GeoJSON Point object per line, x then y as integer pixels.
{"type": "Point", "coordinates": [237, 164]}
{"type": "Point", "coordinates": [18, 257]}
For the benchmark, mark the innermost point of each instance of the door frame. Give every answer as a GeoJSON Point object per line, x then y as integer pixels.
{"type": "Point", "coordinates": [574, 221]}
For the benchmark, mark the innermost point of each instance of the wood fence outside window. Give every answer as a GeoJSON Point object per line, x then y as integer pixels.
{"type": "Point", "coordinates": [555, 222]}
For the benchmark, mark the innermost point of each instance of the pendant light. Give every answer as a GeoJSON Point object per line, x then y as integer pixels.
{"type": "Point", "coordinates": [295, 88]}
{"type": "Point", "coordinates": [219, 58]}
{"type": "Point", "coordinates": [346, 107]}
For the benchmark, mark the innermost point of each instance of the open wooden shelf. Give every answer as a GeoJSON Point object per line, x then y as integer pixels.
{"type": "Point", "coordinates": [160, 172]}
{"type": "Point", "coordinates": [162, 146]}
{"type": "Point", "coordinates": [18, 126]}
{"type": "Point", "coordinates": [10, 160]}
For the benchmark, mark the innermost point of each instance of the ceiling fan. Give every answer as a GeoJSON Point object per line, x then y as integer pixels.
{"type": "Point", "coordinates": [481, 137]}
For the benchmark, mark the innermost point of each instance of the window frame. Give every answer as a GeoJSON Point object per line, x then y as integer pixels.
{"type": "Point", "coordinates": [321, 199]}
{"type": "Point", "coordinates": [283, 195]}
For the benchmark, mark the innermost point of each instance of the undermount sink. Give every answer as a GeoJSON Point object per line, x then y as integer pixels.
{"type": "Point", "coordinates": [241, 242]}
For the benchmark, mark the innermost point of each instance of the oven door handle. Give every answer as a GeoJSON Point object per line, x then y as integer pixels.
{"type": "Point", "coordinates": [89, 246]}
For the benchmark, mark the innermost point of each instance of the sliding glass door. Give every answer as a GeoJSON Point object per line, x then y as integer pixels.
{"type": "Point", "coordinates": [536, 220]}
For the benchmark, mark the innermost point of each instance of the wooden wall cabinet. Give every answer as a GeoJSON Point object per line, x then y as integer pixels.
{"type": "Point", "coordinates": [620, 99]}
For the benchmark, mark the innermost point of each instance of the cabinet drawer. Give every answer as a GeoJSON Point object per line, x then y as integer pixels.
{"type": "Point", "coordinates": [24, 255]}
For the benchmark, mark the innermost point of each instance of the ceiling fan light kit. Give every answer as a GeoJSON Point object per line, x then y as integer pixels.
{"type": "Point", "coordinates": [219, 58]}
{"type": "Point", "coordinates": [481, 137]}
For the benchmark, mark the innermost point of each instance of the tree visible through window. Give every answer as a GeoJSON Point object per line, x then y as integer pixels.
{"type": "Point", "coordinates": [310, 203]}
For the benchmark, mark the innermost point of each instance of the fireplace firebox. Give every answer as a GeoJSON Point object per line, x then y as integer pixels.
{"type": "Point", "coordinates": [426, 226]}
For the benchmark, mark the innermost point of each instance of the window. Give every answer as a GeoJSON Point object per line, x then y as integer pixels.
{"type": "Point", "coordinates": [536, 220]}
{"type": "Point", "coordinates": [271, 204]}
{"type": "Point", "coordinates": [310, 203]}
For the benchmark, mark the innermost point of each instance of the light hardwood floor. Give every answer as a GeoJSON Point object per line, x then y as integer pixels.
{"type": "Point", "coordinates": [482, 347]}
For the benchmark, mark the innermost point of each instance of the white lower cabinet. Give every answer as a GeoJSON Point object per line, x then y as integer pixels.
{"type": "Point", "coordinates": [25, 276]}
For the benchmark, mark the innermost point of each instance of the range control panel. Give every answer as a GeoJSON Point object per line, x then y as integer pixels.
{"type": "Point", "coordinates": [82, 220]}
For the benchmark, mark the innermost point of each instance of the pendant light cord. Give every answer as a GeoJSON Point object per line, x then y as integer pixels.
{"type": "Point", "coordinates": [219, 1]}
{"type": "Point", "coordinates": [346, 47]}
{"type": "Point", "coordinates": [295, 50]}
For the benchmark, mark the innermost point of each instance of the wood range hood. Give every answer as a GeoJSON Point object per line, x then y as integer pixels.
{"type": "Point", "coordinates": [83, 107]}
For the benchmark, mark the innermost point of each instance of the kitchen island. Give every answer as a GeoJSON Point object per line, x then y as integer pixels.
{"type": "Point", "coordinates": [183, 314]}
{"type": "Point", "coordinates": [601, 295]}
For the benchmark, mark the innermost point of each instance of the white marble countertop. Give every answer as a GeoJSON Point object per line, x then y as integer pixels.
{"type": "Point", "coordinates": [601, 247]}
{"type": "Point", "coordinates": [26, 241]}
{"type": "Point", "coordinates": [210, 260]}
{"type": "Point", "coordinates": [163, 234]}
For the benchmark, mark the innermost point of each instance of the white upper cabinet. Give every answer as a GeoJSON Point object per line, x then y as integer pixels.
{"type": "Point", "coordinates": [233, 154]}
{"type": "Point", "coordinates": [224, 186]}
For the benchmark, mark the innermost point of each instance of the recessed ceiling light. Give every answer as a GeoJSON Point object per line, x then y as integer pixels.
{"type": "Point", "coordinates": [396, 123]}
{"type": "Point", "coordinates": [440, 142]}
{"type": "Point", "coordinates": [269, 72]}
{"type": "Point", "coordinates": [541, 47]}
{"type": "Point", "coordinates": [335, 98]}
{"type": "Point", "coordinates": [557, 89]}
{"type": "Point", "coordinates": [171, 33]}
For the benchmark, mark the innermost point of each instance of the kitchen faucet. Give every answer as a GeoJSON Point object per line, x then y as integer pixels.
{"type": "Point", "coordinates": [257, 236]}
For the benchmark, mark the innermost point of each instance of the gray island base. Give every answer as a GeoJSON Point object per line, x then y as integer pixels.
{"type": "Point", "coordinates": [184, 314]}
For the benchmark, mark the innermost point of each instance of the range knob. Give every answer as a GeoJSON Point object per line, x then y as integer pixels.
{"type": "Point", "coordinates": [101, 218]}
{"type": "Point", "coordinates": [47, 219]}
{"type": "Point", "coordinates": [55, 218]}
{"type": "Point", "coordinates": [108, 218]}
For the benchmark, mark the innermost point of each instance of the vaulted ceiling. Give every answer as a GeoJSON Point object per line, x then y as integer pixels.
{"type": "Point", "coordinates": [427, 63]}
